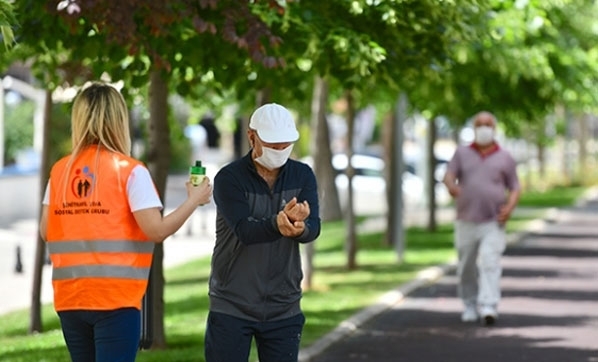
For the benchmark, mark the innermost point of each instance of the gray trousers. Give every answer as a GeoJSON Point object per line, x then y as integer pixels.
{"type": "Point", "coordinates": [479, 247]}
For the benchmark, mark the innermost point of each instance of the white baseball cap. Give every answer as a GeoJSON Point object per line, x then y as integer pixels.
{"type": "Point", "coordinates": [274, 124]}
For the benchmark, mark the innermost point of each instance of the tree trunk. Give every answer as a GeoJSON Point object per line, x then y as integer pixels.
{"type": "Point", "coordinates": [158, 161]}
{"type": "Point", "coordinates": [568, 152]}
{"type": "Point", "coordinates": [541, 160]}
{"type": "Point", "coordinates": [35, 321]}
{"type": "Point", "coordinates": [322, 164]}
{"type": "Point", "coordinates": [431, 179]}
{"type": "Point", "coordinates": [307, 265]}
{"type": "Point", "coordinates": [396, 232]}
{"type": "Point", "coordinates": [582, 140]}
{"type": "Point", "coordinates": [243, 141]}
{"type": "Point", "coordinates": [330, 208]}
{"type": "Point", "coordinates": [351, 242]}
{"type": "Point", "coordinates": [388, 148]}
{"type": "Point", "coordinates": [262, 97]}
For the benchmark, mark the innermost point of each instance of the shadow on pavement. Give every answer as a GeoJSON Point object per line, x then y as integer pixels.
{"type": "Point", "coordinates": [548, 313]}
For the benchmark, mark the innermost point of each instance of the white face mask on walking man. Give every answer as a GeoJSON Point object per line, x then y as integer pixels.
{"type": "Point", "coordinates": [272, 158]}
{"type": "Point", "coordinates": [484, 135]}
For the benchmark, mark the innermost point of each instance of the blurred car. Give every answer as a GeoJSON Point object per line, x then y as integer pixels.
{"type": "Point", "coordinates": [369, 185]}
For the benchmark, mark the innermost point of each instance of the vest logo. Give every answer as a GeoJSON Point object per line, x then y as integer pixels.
{"type": "Point", "coordinates": [82, 183]}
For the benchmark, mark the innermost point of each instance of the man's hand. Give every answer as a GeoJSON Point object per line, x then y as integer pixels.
{"type": "Point", "coordinates": [504, 214]}
{"type": "Point", "coordinates": [288, 228]}
{"type": "Point", "coordinates": [454, 190]}
{"type": "Point", "coordinates": [450, 181]}
{"type": "Point", "coordinates": [296, 211]}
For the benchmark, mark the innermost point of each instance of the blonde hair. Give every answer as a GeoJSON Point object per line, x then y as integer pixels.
{"type": "Point", "coordinates": [100, 117]}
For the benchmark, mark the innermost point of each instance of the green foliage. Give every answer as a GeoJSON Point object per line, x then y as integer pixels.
{"type": "Point", "coordinates": [18, 129]}
{"type": "Point", "coordinates": [453, 57]}
{"type": "Point", "coordinates": [180, 148]}
{"type": "Point", "coordinates": [7, 22]}
{"type": "Point", "coordinates": [187, 40]}
{"type": "Point", "coordinates": [558, 196]}
{"type": "Point", "coordinates": [60, 132]}
{"type": "Point", "coordinates": [180, 152]}
{"type": "Point", "coordinates": [527, 58]}
{"type": "Point", "coordinates": [366, 45]}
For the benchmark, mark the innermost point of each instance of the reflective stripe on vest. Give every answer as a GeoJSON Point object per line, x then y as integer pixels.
{"type": "Point", "coordinates": [99, 271]}
{"type": "Point", "coordinates": [63, 247]}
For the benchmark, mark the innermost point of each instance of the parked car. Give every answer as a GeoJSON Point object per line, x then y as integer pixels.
{"type": "Point", "coordinates": [369, 185]}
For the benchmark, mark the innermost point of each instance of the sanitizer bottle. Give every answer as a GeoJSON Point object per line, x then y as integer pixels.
{"type": "Point", "coordinates": [197, 173]}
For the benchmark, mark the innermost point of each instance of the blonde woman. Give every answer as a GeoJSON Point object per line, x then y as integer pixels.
{"type": "Point", "coordinates": [101, 216]}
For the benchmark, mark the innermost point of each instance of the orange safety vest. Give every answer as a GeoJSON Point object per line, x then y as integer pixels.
{"type": "Point", "coordinates": [101, 259]}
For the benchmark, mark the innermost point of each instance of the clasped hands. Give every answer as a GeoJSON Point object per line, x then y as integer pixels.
{"type": "Point", "coordinates": [291, 219]}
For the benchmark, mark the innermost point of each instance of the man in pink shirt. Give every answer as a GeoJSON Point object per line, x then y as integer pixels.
{"type": "Point", "coordinates": [482, 178]}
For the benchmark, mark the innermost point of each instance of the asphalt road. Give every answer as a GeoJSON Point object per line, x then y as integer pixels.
{"type": "Point", "coordinates": [549, 310]}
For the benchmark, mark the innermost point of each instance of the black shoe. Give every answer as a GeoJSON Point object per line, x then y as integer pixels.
{"type": "Point", "coordinates": [489, 320]}
{"type": "Point", "coordinates": [489, 315]}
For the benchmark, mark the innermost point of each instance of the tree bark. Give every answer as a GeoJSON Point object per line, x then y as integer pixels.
{"type": "Point", "coordinates": [396, 233]}
{"type": "Point", "coordinates": [582, 140]}
{"type": "Point", "coordinates": [158, 161]}
{"type": "Point", "coordinates": [568, 144]}
{"type": "Point", "coordinates": [35, 321]}
{"type": "Point", "coordinates": [389, 142]}
{"type": "Point", "coordinates": [351, 242]}
{"type": "Point", "coordinates": [431, 179]}
{"type": "Point", "coordinates": [262, 97]}
{"type": "Point", "coordinates": [322, 163]}
{"type": "Point", "coordinates": [541, 160]}
{"type": "Point", "coordinates": [330, 208]}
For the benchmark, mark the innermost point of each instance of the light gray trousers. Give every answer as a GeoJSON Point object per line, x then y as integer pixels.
{"type": "Point", "coordinates": [479, 247]}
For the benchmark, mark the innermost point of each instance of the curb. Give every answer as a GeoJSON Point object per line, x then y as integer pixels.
{"type": "Point", "coordinates": [387, 300]}
{"type": "Point", "coordinates": [423, 278]}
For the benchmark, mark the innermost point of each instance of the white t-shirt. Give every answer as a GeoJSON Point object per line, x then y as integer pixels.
{"type": "Point", "coordinates": [140, 191]}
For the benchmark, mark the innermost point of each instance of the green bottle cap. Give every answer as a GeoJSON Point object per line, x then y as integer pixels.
{"type": "Point", "coordinates": [198, 169]}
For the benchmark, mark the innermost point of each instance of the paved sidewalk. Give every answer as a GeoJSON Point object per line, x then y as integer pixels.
{"type": "Point", "coordinates": [549, 310]}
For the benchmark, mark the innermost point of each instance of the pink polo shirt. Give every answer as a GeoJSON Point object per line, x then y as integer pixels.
{"type": "Point", "coordinates": [484, 182]}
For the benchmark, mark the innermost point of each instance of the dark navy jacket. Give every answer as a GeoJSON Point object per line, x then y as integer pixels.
{"type": "Point", "coordinates": [256, 272]}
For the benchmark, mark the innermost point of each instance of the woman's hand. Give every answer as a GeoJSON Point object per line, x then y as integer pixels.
{"type": "Point", "coordinates": [200, 194]}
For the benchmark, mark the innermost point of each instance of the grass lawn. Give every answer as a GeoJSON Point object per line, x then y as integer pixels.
{"type": "Point", "coordinates": [338, 292]}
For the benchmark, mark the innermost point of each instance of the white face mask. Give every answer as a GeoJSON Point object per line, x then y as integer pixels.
{"type": "Point", "coordinates": [273, 159]}
{"type": "Point", "coordinates": [484, 135]}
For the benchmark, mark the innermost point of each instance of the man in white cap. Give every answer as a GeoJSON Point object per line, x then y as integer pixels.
{"type": "Point", "coordinates": [267, 205]}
